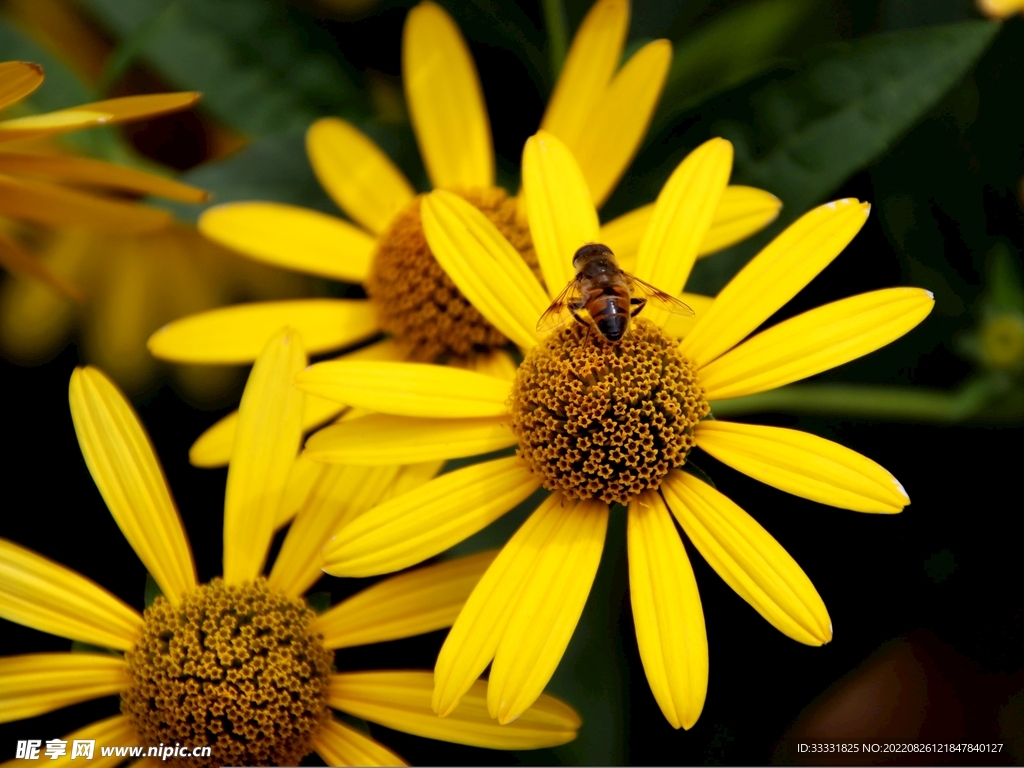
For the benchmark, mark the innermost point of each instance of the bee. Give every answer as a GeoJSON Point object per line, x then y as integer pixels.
{"type": "Point", "coordinates": [603, 296]}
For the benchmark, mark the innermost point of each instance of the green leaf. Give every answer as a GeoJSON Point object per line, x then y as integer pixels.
{"type": "Point", "coordinates": [732, 48]}
{"type": "Point", "coordinates": [60, 89]}
{"type": "Point", "coordinates": [847, 106]}
{"type": "Point", "coordinates": [261, 67]}
{"type": "Point", "coordinates": [1004, 289]}
{"type": "Point", "coordinates": [77, 646]}
{"type": "Point", "coordinates": [319, 602]}
{"type": "Point", "coordinates": [152, 592]}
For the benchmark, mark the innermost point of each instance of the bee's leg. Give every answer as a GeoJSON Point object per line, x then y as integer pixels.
{"type": "Point", "coordinates": [639, 303]}
{"type": "Point", "coordinates": [574, 310]}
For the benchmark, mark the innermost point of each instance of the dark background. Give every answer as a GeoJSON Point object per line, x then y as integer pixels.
{"type": "Point", "coordinates": [926, 605]}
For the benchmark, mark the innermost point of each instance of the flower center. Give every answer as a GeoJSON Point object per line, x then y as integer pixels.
{"type": "Point", "coordinates": [603, 419]}
{"type": "Point", "coordinates": [235, 668]}
{"type": "Point", "coordinates": [418, 303]}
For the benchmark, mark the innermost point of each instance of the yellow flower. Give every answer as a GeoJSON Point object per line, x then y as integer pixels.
{"type": "Point", "coordinates": [1000, 9]}
{"type": "Point", "coordinates": [40, 185]}
{"type": "Point", "coordinates": [598, 109]}
{"type": "Point", "coordinates": [598, 422]}
{"type": "Point", "coordinates": [240, 664]}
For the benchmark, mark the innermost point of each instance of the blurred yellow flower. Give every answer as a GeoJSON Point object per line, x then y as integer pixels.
{"type": "Point", "coordinates": [599, 109]}
{"type": "Point", "coordinates": [266, 695]}
{"type": "Point", "coordinates": [600, 422]}
{"type": "Point", "coordinates": [1000, 9]}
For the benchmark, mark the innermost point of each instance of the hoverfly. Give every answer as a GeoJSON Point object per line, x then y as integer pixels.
{"type": "Point", "coordinates": [603, 296]}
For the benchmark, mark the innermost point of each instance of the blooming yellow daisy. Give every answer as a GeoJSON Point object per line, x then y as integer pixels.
{"type": "Point", "coordinates": [1000, 9]}
{"type": "Point", "coordinates": [41, 185]}
{"type": "Point", "coordinates": [600, 422]}
{"type": "Point", "coordinates": [599, 109]}
{"type": "Point", "coordinates": [240, 664]}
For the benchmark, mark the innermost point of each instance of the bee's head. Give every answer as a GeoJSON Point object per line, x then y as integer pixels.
{"type": "Point", "coordinates": [589, 251]}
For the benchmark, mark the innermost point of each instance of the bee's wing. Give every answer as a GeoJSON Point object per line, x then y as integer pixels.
{"type": "Point", "coordinates": [657, 297]}
{"type": "Point", "coordinates": [558, 313]}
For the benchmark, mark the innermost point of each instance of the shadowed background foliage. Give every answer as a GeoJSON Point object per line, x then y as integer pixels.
{"type": "Point", "coordinates": [914, 105]}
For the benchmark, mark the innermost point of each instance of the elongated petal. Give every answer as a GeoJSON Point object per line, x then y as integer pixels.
{"type": "Point", "coordinates": [305, 474]}
{"type": "Point", "coordinates": [475, 636]}
{"type": "Point", "coordinates": [619, 121]}
{"type": "Point", "coordinates": [741, 212]}
{"type": "Point", "coordinates": [292, 237]}
{"type": "Point", "coordinates": [236, 335]}
{"type": "Point", "coordinates": [680, 325]}
{"type": "Point", "coordinates": [340, 495]}
{"type": "Point", "coordinates": [775, 276]}
{"type": "Point", "coordinates": [445, 100]}
{"type": "Point", "coordinates": [401, 700]}
{"type": "Point", "coordinates": [488, 271]}
{"type": "Point", "coordinates": [548, 609]}
{"type": "Point", "coordinates": [125, 468]}
{"type": "Point", "coordinates": [382, 439]}
{"type": "Point", "coordinates": [119, 110]}
{"type": "Point", "coordinates": [17, 80]}
{"type": "Point", "coordinates": [412, 476]}
{"type": "Point", "coordinates": [803, 464]}
{"type": "Point", "coordinates": [815, 341]}
{"type": "Point", "coordinates": [115, 731]}
{"type": "Point", "coordinates": [428, 520]}
{"type": "Point", "coordinates": [748, 559]}
{"type": "Point", "coordinates": [213, 447]}
{"type": "Point", "coordinates": [410, 604]}
{"type": "Point", "coordinates": [42, 682]}
{"type": "Point", "coordinates": [667, 612]}
{"type": "Point", "coordinates": [339, 744]}
{"type": "Point", "coordinates": [267, 440]}
{"type": "Point", "coordinates": [359, 177]}
{"type": "Point", "coordinates": [82, 170]}
{"type": "Point", "coordinates": [41, 594]}
{"type": "Point", "coordinates": [682, 217]}
{"type": "Point", "coordinates": [561, 214]}
{"type": "Point", "coordinates": [14, 258]}
{"type": "Point", "coordinates": [592, 60]}
{"type": "Point", "coordinates": [56, 206]}
{"type": "Point", "coordinates": [407, 389]}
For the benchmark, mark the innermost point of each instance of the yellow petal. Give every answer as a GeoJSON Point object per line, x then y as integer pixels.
{"type": "Point", "coordinates": [815, 341]}
{"type": "Point", "coordinates": [680, 325]}
{"type": "Point", "coordinates": [236, 335]}
{"type": "Point", "coordinates": [41, 594]}
{"type": "Point", "coordinates": [340, 495]}
{"type": "Point", "coordinates": [401, 700]}
{"type": "Point", "coordinates": [36, 683]}
{"type": "Point", "coordinates": [303, 476]}
{"type": "Point", "coordinates": [407, 389]}
{"type": "Point", "coordinates": [550, 603]}
{"type": "Point", "coordinates": [213, 447]}
{"type": "Point", "coordinates": [475, 636]}
{"type": "Point", "coordinates": [620, 119]}
{"type": "Point", "coordinates": [383, 439]}
{"type": "Point", "coordinates": [804, 465]}
{"type": "Point", "coordinates": [115, 732]}
{"type": "Point", "coordinates": [80, 170]}
{"type": "Point", "coordinates": [267, 439]}
{"type": "Point", "coordinates": [119, 110]}
{"type": "Point", "coordinates": [497, 364]}
{"type": "Point", "coordinates": [357, 175]}
{"type": "Point", "coordinates": [561, 214]}
{"type": "Point", "coordinates": [682, 217]}
{"type": "Point", "coordinates": [56, 206]}
{"type": "Point", "coordinates": [488, 271]}
{"type": "Point", "coordinates": [428, 520]}
{"type": "Point", "coordinates": [292, 237]}
{"type": "Point", "coordinates": [667, 612]}
{"type": "Point", "coordinates": [125, 468]}
{"type": "Point", "coordinates": [445, 101]}
{"type": "Point", "coordinates": [741, 212]}
{"type": "Point", "coordinates": [14, 258]}
{"type": "Point", "coordinates": [410, 604]}
{"type": "Point", "coordinates": [748, 559]}
{"type": "Point", "coordinates": [17, 80]}
{"type": "Point", "coordinates": [338, 744]}
{"type": "Point", "coordinates": [592, 60]}
{"type": "Point", "coordinates": [775, 276]}
{"type": "Point", "coordinates": [412, 476]}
